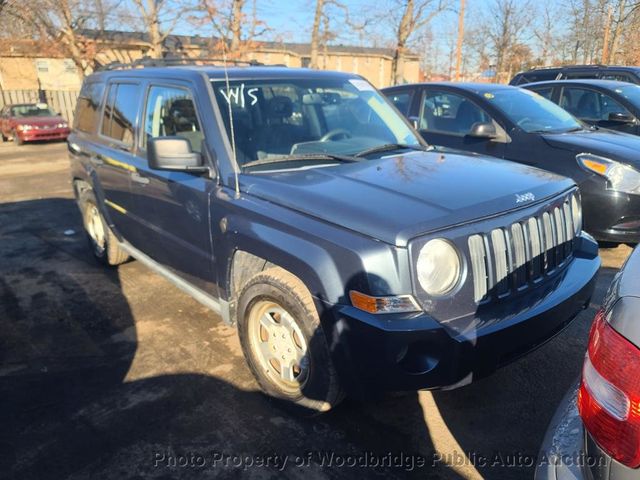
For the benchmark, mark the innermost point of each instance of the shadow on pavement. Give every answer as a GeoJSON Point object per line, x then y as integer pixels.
{"type": "Point", "coordinates": [70, 409]}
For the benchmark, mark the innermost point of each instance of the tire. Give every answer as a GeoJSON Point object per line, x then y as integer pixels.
{"type": "Point", "coordinates": [17, 140]}
{"type": "Point", "coordinates": [3, 138]}
{"type": "Point", "coordinates": [103, 243]}
{"type": "Point", "coordinates": [285, 306]}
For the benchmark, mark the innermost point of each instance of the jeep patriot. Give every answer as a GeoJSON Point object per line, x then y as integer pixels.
{"type": "Point", "coordinates": [304, 209]}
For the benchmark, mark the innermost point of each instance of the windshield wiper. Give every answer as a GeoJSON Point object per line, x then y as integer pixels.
{"type": "Point", "coordinates": [387, 147]}
{"type": "Point", "coordinates": [301, 157]}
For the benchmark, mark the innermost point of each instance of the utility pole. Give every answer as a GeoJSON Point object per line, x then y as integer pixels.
{"type": "Point", "coordinates": [605, 41]}
{"type": "Point", "coordinates": [460, 39]}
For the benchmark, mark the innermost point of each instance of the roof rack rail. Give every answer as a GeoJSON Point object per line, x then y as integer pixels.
{"type": "Point", "coordinates": [147, 62]}
{"type": "Point", "coordinates": [590, 65]}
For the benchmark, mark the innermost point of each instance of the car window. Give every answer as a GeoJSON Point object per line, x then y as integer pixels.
{"type": "Point", "coordinates": [32, 110]}
{"type": "Point", "coordinates": [120, 112]}
{"type": "Point", "coordinates": [546, 92]}
{"type": "Point", "coordinates": [402, 101]}
{"type": "Point", "coordinates": [531, 112]}
{"type": "Point", "coordinates": [171, 112]}
{"type": "Point", "coordinates": [450, 113]}
{"type": "Point", "coordinates": [622, 77]}
{"type": "Point", "coordinates": [590, 104]}
{"type": "Point", "coordinates": [589, 74]}
{"type": "Point", "coordinates": [88, 106]}
{"type": "Point", "coordinates": [266, 119]}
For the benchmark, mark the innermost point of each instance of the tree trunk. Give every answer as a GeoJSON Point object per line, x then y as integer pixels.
{"type": "Point", "coordinates": [404, 31]}
{"type": "Point", "coordinates": [153, 28]}
{"type": "Point", "coordinates": [315, 33]}
{"type": "Point", "coordinates": [236, 26]}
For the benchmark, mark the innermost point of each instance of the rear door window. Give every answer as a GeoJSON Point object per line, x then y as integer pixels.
{"type": "Point", "coordinates": [87, 111]}
{"type": "Point", "coordinates": [120, 112]}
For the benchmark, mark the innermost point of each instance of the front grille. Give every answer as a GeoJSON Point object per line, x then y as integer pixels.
{"type": "Point", "coordinates": [510, 258]}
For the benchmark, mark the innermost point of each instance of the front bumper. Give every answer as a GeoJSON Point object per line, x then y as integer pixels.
{"type": "Point", "coordinates": [611, 216]}
{"type": "Point", "coordinates": [414, 351]}
{"type": "Point", "coordinates": [43, 134]}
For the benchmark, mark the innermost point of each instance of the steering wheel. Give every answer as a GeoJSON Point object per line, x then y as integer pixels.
{"type": "Point", "coordinates": [334, 134]}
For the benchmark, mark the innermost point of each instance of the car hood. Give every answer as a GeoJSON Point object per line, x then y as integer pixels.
{"type": "Point", "coordinates": [607, 143]}
{"type": "Point", "coordinates": [38, 121]}
{"type": "Point", "coordinates": [396, 198]}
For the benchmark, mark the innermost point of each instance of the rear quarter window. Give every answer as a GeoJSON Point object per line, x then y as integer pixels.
{"type": "Point", "coordinates": [87, 110]}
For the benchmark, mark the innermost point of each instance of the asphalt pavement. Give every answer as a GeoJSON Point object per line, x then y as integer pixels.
{"type": "Point", "coordinates": [116, 374]}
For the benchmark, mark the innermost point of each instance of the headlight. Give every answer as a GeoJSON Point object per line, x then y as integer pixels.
{"type": "Point", "coordinates": [23, 128]}
{"type": "Point", "coordinates": [438, 268]}
{"type": "Point", "coordinates": [62, 125]}
{"type": "Point", "coordinates": [622, 178]}
{"type": "Point", "coordinates": [576, 213]}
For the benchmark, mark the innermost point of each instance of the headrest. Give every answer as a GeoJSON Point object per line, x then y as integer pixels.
{"type": "Point", "coordinates": [280, 107]}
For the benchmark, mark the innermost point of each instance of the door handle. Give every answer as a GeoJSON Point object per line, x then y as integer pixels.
{"type": "Point", "coordinates": [97, 159]}
{"type": "Point", "coordinates": [136, 177]}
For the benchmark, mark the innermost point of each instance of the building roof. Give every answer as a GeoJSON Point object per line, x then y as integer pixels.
{"type": "Point", "coordinates": [182, 41]}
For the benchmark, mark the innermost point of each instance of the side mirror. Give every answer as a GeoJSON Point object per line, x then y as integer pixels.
{"type": "Point", "coordinates": [173, 153]}
{"type": "Point", "coordinates": [621, 117]}
{"type": "Point", "coordinates": [483, 130]}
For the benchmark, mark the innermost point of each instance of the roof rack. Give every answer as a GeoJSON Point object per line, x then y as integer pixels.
{"type": "Point", "coordinates": [147, 62]}
{"type": "Point", "coordinates": [591, 65]}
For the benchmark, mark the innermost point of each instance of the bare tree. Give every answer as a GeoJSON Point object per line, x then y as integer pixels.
{"type": "Point", "coordinates": [233, 28]}
{"type": "Point", "coordinates": [321, 32]}
{"type": "Point", "coordinates": [506, 30]}
{"type": "Point", "coordinates": [414, 15]}
{"type": "Point", "coordinates": [62, 26]}
{"type": "Point", "coordinates": [159, 18]}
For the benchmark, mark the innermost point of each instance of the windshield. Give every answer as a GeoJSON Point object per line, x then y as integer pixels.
{"type": "Point", "coordinates": [273, 119]}
{"type": "Point", "coordinates": [630, 92]}
{"type": "Point", "coordinates": [532, 112]}
{"type": "Point", "coordinates": [34, 110]}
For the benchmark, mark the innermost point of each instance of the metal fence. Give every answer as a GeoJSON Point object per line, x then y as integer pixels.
{"type": "Point", "coordinates": [61, 101]}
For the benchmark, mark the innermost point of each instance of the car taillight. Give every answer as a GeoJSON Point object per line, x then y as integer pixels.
{"type": "Point", "coordinates": [609, 396]}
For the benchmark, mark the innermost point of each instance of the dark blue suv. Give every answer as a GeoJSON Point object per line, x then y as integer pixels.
{"type": "Point", "coordinates": [302, 207]}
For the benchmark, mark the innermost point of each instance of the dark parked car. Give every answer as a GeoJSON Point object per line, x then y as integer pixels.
{"type": "Point", "coordinates": [602, 72]}
{"type": "Point", "coordinates": [519, 125]}
{"type": "Point", "coordinates": [595, 433]}
{"type": "Point", "coordinates": [28, 122]}
{"type": "Point", "coordinates": [304, 209]}
{"type": "Point", "coordinates": [602, 103]}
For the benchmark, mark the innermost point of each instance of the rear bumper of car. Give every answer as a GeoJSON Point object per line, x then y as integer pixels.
{"type": "Point", "coordinates": [414, 351]}
{"type": "Point", "coordinates": [43, 134]}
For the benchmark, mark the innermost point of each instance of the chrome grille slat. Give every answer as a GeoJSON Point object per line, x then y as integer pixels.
{"type": "Point", "coordinates": [500, 259]}
{"type": "Point", "coordinates": [513, 256]}
{"type": "Point", "coordinates": [478, 267]}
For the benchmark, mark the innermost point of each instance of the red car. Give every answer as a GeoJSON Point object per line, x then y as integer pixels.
{"type": "Point", "coordinates": [28, 122]}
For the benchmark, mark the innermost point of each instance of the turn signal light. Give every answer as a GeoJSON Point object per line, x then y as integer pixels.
{"type": "Point", "coordinates": [391, 304]}
{"type": "Point", "coordinates": [609, 396]}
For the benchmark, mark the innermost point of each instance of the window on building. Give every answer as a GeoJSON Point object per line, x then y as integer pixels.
{"type": "Point", "coordinates": [170, 112]}
{"type": "Point", "coordinates": [120, 112]}
{"type": "Point", "coordinates": [69, 66]}
{"type": "Point", "coordinates": [42, 66]}
{"type": "Point", "coordinates": [89, 101]}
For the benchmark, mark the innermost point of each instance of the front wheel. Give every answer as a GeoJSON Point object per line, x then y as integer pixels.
{"type": "Point", "coordinates": [283, 341]}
